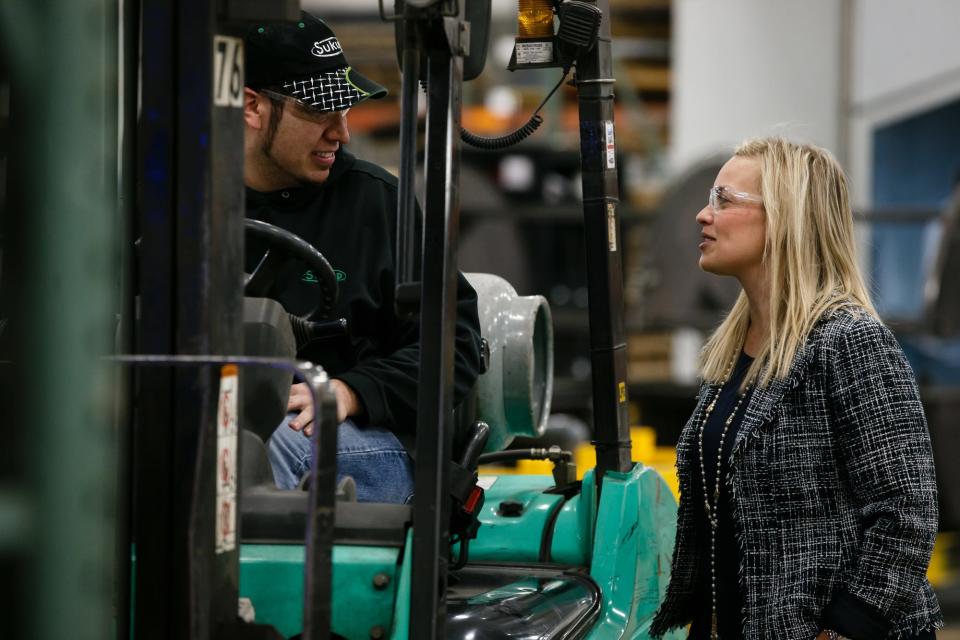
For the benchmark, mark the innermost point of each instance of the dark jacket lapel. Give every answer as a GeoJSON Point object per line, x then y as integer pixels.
{"type": "Point", "coordinates": [765, 400]}
{"type": "Point", "coordinates": [687, 443]}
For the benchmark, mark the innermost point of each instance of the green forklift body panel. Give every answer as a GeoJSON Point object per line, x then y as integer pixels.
{"type": "Point", "coordinates": [626, 542]}
{"type": "Point", "coordinates": [517, 536]}
{"type": "Point", "coordinates": [632, 551]}
{"type": "Point", "coordinates": [573, 534]}
{"type": "Point", "coordinates": [364, 579]}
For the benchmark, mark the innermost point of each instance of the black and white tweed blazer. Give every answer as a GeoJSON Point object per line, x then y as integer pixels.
{"type": "Point", "coordinates": [833, 491]}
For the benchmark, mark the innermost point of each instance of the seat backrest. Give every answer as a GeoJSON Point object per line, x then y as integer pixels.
{"type": "Point", "coordinates": [513, 395]}
{"type": "Point", "coordinates": [255, 468]}
{"type": "Point", "coordinates": [264, 391]}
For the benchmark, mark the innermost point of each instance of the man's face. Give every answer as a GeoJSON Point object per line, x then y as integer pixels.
{"type": "Point", "coordinates": [300, 150]}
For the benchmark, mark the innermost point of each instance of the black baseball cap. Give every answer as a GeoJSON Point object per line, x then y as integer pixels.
{"type": "Point", "coordinates": [304, 60]}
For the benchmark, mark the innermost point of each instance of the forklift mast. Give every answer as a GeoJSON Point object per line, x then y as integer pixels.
{"type": "Point", "coordinates": [433, 41]}
{"type": "Point", "coordinates": [432, 48]}
{"type": "Point", "coordinates": [191, 212]}
{"type": "Point", "coordinates": [604, 250]}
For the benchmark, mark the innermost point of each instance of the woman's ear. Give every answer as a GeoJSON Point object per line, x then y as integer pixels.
{"type": "Point", "coordinates": [254, 109]}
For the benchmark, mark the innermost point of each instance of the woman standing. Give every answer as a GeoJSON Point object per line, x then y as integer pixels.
{"type": "Point", "coordinates": [808, 503]}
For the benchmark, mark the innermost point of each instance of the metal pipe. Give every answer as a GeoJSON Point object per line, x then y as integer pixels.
{"type": "Point", "coordinates": [129, 28]}
{"type": "Point", "coordinates": [437, 327]}
{"type": "Point", "coordinates": [604, 252]}
{"type": "Point", "coordinates": [406, 201]}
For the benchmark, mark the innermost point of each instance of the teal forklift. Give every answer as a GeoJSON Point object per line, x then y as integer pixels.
{"type": "Point", "coordinates": [208, 360]}
{"type": "Point", "coordinates": [488, 557]}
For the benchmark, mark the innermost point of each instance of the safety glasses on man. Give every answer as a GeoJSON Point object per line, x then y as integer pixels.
{"type": "Point", "coordinates": [304, 111]}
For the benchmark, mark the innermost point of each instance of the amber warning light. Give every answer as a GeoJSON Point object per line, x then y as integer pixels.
{"type": "Point", "coordinates": [535, 19]}
{"type": "Point", "coordinates": [534, 46]}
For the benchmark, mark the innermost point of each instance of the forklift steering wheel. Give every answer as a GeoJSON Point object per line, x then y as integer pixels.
{"type": "Point", "coordinates": [284, 247]}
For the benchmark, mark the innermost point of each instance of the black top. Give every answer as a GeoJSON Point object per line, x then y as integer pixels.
{"type": "Point", "coordinates": [351, 218]}
{"type": "Point", "coordinates": [727, 555]}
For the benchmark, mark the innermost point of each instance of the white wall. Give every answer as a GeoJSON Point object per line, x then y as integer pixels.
{"type": "Point", "coordinates": [743, 68]}
{"type": "Point", "coordinates": [809, 70]}
{"type": "Point", "coordinates": [902, 45]}
{"type": "Point", "coordinates": [905, 60]}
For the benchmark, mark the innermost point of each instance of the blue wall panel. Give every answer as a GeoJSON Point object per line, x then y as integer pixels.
{"type": "Point", "coordinates": [915, 164]}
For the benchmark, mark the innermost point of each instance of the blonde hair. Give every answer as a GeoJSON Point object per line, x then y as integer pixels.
{"type": "Point", "coordinates": [809, 256]}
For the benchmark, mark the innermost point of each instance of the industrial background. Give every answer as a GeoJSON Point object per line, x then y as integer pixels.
{"type": "Point", "coordinates": [875, 81]}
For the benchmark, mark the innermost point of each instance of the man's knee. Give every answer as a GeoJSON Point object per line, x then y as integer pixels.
{"type": "Point", "coordinates": [378, 463]}
{"type": "Point", "coordinates": [372, 456]}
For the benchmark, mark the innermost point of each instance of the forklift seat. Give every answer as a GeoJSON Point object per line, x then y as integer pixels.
{"type": "Point", "coordinates": [264, 391]}
{"type": "Point", "coordinates": [512, 395]}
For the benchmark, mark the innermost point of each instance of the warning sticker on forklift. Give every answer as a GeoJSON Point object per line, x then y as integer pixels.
{"type": "Point", "coordinates": [226, 525]}
{"type": "Point", "coordinates": [612, 227]}
{"type": "Point", "coordinates": [611, 145]}
{"type": "Point", "coordinates": [227, 71]}
{"type": "Point", "coordinates": [226, 467]}
{"type": "Point", "coordinates": [534, 52]}
{"type": "Point", "coordinates": [485, 482]}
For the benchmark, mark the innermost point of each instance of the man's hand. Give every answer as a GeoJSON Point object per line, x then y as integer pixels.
{"type": "Point", "coordinates": [348, 404]}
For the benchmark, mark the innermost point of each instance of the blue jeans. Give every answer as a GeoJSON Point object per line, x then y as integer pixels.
{"type": "Point", "coordinates": [372, 456]}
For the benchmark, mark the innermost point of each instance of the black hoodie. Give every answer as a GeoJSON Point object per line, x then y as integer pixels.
{"type": "Point", "coordinates": [351, 218]}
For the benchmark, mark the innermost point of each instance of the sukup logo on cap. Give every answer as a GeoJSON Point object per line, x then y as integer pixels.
{"type": "Point", "coordinates": [327, 48]}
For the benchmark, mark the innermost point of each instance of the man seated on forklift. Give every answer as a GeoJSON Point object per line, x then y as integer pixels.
{"type": "Point", "coordinates": [299, 176]}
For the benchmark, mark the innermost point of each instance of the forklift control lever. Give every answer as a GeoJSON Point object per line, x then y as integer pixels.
{"type": "Point", "coordinates": [305, 331]}
{"type": "Point", "coordinates": [474, 447]}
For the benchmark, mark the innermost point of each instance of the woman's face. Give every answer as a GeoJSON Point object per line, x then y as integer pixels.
{"type": "Point", "coordinates": [733, 222]}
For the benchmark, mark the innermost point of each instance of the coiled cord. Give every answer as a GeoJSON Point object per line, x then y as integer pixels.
{"type": "Point", "coordinates": [510, 139]}
{"type": "Point", "coordinates": [507, 140]}
{"type": "Point", "coordinates": [504, 141]}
